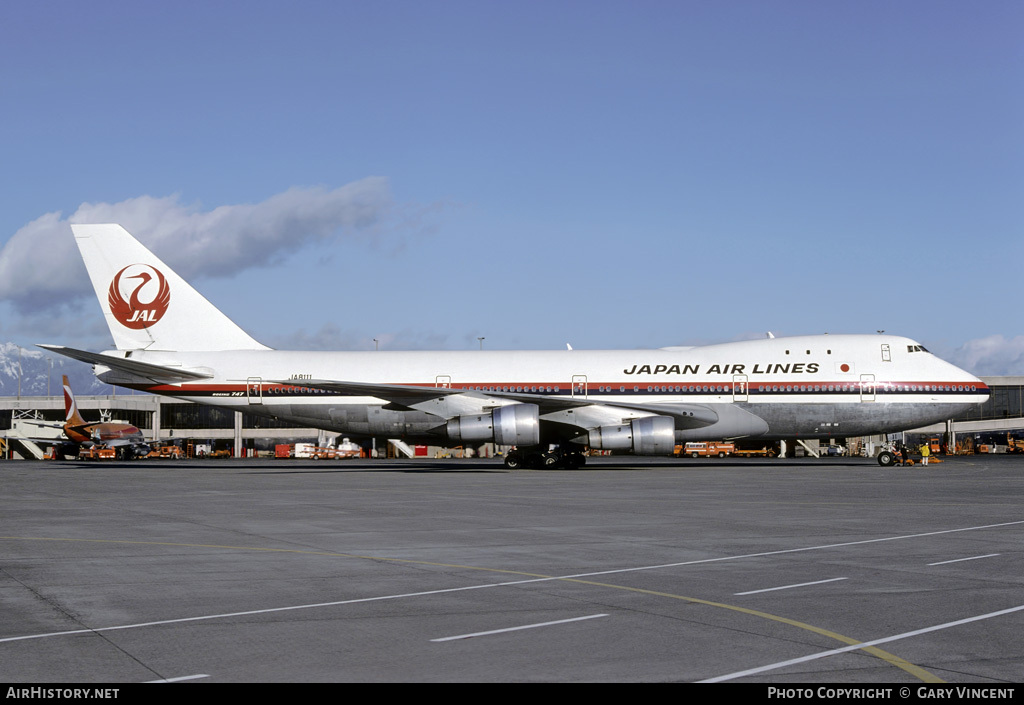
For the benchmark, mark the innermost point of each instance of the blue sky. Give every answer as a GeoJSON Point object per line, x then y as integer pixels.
{"type": "Point", "coordinates": [609, 174]}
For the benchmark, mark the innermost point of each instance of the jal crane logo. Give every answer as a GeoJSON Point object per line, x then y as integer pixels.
{"type": "Point", "coordinates": [146, 301]}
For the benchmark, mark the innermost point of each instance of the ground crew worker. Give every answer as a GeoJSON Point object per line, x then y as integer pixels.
{"type": "Point", "coordinates": [904, 454]}
{"type": "Point", "coordinates": [925, 451]}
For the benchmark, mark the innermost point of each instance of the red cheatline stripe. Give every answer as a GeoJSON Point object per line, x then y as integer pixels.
{"type": "Point", "coordinates": [759, 387]}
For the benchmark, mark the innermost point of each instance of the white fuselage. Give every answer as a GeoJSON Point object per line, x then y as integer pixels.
{"type": "Point", "coordinates": [800, 387]}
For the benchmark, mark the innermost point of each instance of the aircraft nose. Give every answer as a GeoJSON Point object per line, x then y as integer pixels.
{"type": "Point", "coordinates": [975, 382]}
{"type": "Point", "coordinates": [960, 376]}
{"type": "Point", "coordinates": [983, 389]}
{"type": "Point", "coordinates": [975, 385]}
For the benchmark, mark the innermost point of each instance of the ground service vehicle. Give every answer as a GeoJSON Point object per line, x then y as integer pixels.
{"type": "Point", "coordinates": [1013, 445]}
{"type": "Point", "coordinates": [97, 453]}
{"type": "Point", "coordinates": [763, 452]}
{"type": "Point", "coordinates": [706, 450]}
{"type": "Point", "coordinates": [170, 451]}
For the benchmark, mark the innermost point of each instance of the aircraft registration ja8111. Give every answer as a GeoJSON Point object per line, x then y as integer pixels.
{"type": "Point", "coordinates": [550, 405]}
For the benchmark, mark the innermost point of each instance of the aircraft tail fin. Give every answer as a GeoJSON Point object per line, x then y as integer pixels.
{"type": "Point", "coordinates": [147, 305]}
{"type": "Point", "coordinates": [71, 415]}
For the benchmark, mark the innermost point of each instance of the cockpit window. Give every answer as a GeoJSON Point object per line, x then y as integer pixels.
{"type": "Point", "coordinates": [916, 348]}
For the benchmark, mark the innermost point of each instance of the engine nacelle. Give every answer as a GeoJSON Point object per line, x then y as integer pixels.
{"type": "Point", "coordinates": [733, 422]}
{"type": "Point", "coordinates": [650, 435]}
{"type": "Point", "coordinates": [513, 425]}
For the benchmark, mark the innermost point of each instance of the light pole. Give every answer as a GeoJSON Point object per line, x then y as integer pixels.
{"type": "Point", "coordinates": [481, 342]}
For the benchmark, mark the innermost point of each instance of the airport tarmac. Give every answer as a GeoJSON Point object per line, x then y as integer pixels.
{"type": "Point", "coordinates": [798, 571]}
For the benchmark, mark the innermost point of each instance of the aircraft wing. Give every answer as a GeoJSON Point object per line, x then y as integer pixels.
{"type": "Point", "coordinates": [447, 402]}
{"type": "Point", "coordinates": [400, 395]}
{"type": "Point", "coordinates": [45, 424]}
{"type": "Point", "coordinates": [119, 442]}
{"type": "Point", "coordinates": [146, 370]}
{"type": "Point", "coordinates": [42, 440]}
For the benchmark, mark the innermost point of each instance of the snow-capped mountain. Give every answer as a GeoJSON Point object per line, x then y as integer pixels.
{"type": "Point", "coordinates": [40, 370]}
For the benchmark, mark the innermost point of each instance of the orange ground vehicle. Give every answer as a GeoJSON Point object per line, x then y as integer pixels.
{"type": "Point", "coordinates": [170, 451]}
{"type": "Point", "coordinates": [763, 452]}
{"type": "Point", "coordinates": [706, 450]}
{"type": "Point", "coordinates": [97, 453]}
{"type": "Point", "coordinates": [1013, 445]}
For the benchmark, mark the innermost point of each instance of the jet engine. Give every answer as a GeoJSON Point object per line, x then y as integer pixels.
{"type": "Point", "coordinates": [513, 425]}
{"type": "Point", "coordinates": [650, 435]}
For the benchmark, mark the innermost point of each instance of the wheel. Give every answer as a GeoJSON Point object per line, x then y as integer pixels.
{"type": "Point", "coordinates": [886, 459]}
{"type": "Point", "coordinates": [695, 454]}
{"type": "Point", "coordinates": [513, 460]}
{"type": "Point", "coordinates": [534, 461]}
{"type": "Point", "coordinates": [721, 455]}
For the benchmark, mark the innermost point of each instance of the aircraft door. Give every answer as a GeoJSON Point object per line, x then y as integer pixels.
{"type": "Point", "coordinates": [579, 386]}
{"type": "Point", "coordinates": [886, 355]}
{"type": "Point", "coordinates": [444, 381]}
{"type": "Point", "coordinates": [254, 390]}
{"type": "Point", "coordinates": [867, 387]}
{"type": "Point", "coordinates": [739, 388]}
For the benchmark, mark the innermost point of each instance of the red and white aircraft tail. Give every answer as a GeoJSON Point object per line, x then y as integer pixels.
{"type": "Point", "coordinates": [146, 304]}
{"type": "Point", "coordinates": [71, 416]}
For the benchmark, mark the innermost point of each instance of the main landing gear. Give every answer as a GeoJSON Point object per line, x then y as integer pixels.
{"type": "Point", "coordinates": [539, 457]}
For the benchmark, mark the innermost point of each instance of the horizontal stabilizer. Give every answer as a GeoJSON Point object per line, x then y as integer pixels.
{"type": "Point", "coordinates": [146, 370]}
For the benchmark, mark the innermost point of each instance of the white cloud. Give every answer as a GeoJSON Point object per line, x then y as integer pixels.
{"type": "Point", "coordinates": [40, 268]}
{"type": "Point", "coordinates": [993, 355]}
{"type": "Point", "coordinates": [330, 336]}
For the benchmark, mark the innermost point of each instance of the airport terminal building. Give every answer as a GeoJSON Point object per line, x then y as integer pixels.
{"type": "Point", "coordinates": [991, 423]}
{"type": "Point", "coordinates": [167, 420]}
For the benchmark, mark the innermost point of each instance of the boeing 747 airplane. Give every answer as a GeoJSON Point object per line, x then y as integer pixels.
{"type": "Point", "coordinates": [550, 405]}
